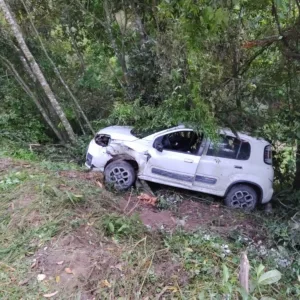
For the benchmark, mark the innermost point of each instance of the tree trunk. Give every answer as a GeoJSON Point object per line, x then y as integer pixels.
{"type": "Point", "coordinates": [25, 65]}
{"type": "Point", "coordinates": [59, 75]}
{"type": "Point", "coordinates": [297, 174]}
{"type": "Point", "coordinates": [36, 70]}
{"type": "Point", "coordinates": [119, 55]}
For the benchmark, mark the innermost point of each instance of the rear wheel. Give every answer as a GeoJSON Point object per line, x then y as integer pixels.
{"type": "Point", "coordinates": [120, 174]}
{"type": "Point", "coordinates": [241, 196]}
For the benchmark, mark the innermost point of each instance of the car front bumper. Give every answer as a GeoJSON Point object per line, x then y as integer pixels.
{"type": "Point", "coordinates": [96, 157]}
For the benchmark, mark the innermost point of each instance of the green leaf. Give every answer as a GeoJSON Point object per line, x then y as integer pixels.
{"type": "Point", "coordinates": [278, 3]}
{"type": "Point", "coordinates": [111, 227]}
{"type": "Point", "coordinates": [70, 197]}
{"type": "Point", "coordinates": [124, 226]}
{"type": "Point", "coordinates": [243, 293]}
{"type": "Point", "coordinates": [260, 269]}
{"type": "Point", "coordinates": [201, 296]}
{"type": "Point", "coordinates": [269, 277]}
{"type": "Point", "coordinates": [209, 13]}
{"type": "Point", "coordinates": [267, 298]}
{"type": "Point", "coordinates": [225, 273]}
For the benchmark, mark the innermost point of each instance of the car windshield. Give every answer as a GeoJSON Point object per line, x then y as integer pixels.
{"type": "Point", "coordinates": [141, 133]}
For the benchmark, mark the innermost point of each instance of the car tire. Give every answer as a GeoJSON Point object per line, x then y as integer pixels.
{"type": "Point", "coordinates": [241, 196]}
{"type": "Point", "coordinates": [120, 174]}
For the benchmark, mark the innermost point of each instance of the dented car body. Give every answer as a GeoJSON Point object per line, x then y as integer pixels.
{"type": "Point", "coordinates": [238, 168]}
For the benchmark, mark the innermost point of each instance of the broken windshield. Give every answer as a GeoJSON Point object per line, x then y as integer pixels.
{"type": "Point", "coordinates": [141, 133]}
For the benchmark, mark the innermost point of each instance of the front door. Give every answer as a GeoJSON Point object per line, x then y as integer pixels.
{"type": "Point", "coordinates": [177, 159]}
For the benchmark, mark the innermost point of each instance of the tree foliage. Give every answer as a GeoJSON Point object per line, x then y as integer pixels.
{"type": "Point", "coordinates": [158, 63]}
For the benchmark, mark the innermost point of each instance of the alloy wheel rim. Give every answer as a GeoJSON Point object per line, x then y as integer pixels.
{"type": "Point", "coordinates": [119, 176]}
{"type": "Point", "coordinates": [242, 199]}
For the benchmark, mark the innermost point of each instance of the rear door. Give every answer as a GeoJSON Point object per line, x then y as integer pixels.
{"type": "Point", "coordinates": [222, 161]}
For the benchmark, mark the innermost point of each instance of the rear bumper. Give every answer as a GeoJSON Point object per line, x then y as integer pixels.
{"type": "Point", "coordinates": [267, 196]}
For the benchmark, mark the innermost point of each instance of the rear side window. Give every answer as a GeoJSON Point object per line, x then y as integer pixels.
{"type": "Point", "coordinates": [268, 155]}
{"type": "Point", "coordinates": [230, 147]}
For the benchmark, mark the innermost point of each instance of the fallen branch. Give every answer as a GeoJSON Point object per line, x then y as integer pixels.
{"type": "Point", "coordinates": [133, 208]}
{"type": "Point", "coordinates": [146, 187]}
{"type": "Point", "coordinates": [129, 199]}
{"type": "Point", "coordinates": [244, 272]}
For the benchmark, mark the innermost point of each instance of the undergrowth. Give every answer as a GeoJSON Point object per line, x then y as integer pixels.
{"type": "Point", "coordinates": [39, 208]}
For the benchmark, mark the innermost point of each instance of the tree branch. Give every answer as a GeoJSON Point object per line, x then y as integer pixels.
{"type": "Point", "coordinates": [17, 33]}
{"type": "Point", "coordinates": [76, 102]}
{"type": "Point", "coordinates": [27, 90]}
{"type": "Point", "coordinates": [248, 63]}
{"type": "Point", "coordinates": [282, 35]}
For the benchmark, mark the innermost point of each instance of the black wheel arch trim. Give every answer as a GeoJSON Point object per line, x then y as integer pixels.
{"type": "Point", "coordinates": [122, 157]}
{"type": "Point", "coordinates": [249, 183]}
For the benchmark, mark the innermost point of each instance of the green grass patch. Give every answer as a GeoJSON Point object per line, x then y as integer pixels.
{"type": "Point", "coordinates": [40, 209]}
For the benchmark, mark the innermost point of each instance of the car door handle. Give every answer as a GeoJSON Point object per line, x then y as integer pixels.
{"type": "Point", "coordinates": [238, 167]}
{"type": "Point", "coordinates": [188, 160]}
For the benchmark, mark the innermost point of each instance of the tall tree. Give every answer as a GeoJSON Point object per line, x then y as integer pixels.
{"type": "Point", "coordinates": [36, 69]}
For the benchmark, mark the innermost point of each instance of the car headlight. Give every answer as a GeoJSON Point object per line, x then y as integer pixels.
{"type": "Point", "coordinates": [102, 140]}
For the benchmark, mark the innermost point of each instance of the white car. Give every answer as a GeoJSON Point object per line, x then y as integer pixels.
{"type": "Point", "coordinates": [237, 167]}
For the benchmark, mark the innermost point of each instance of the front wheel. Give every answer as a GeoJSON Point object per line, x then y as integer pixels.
{"type": "Point", "coordinates": [120, 174]}
{"type": "Point", "coordinates": [241, 196]}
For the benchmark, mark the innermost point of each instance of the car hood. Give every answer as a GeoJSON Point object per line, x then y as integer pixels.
{"type": "Point", "coordinates": [121, 133]}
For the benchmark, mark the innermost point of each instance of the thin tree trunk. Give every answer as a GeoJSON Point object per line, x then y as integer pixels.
{"type": "Point", "coordinates": [78, 53]}
{"type": "Point", "coordinates": [25, 65]}
{"type": "Point", "coordinates": [236, 64]}
{"type": "Point", "coordinates": [25, 87]}
{"type": "Point", "coordinates": [118, 53]}
{"type": "Point", "coordinates": [297, 174]}
{"type": "Point", "coordinates": [36, 70]}
{"type": "Point", "coordinates": [58, 73]}
{"type": "Point", "coordinates": [139, 23]}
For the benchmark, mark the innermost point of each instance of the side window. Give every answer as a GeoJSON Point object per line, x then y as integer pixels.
{"type": "Point", "coordinates": [230, 147]}
{"type": "Point", "coordinates": [181, 141]}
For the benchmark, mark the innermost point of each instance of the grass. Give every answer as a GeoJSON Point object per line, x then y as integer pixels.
{"type": "Point", "coordinates": [46, 218]}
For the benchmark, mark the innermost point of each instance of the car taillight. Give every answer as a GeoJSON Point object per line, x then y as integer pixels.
{"type": "Point", "coordinates": [102, 140]}
{"type": "Point", "coordinates": [268, 155]}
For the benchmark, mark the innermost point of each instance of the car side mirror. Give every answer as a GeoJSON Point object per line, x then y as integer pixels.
{"type": "Point", "coordinates": [159, 147]}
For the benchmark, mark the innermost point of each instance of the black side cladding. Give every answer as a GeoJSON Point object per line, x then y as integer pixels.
{"type": "Point", "coordinates": [172, 175]}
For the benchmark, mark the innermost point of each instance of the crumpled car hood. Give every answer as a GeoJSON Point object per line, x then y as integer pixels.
{"type": "Point", "coordinates": [121, 133]}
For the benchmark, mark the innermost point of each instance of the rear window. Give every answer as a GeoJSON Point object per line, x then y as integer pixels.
{"type": "Point", "coordinates": [230, 147]}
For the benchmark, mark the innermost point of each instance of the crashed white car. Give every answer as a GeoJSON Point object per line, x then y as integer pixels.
{"type": "Point", "coordinates": [237, 167]}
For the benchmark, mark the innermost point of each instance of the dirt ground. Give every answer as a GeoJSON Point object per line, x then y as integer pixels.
{"type": "Point", "coordinates": [191, 215]}
{"type": "Point", "coordinates": [80, 260]}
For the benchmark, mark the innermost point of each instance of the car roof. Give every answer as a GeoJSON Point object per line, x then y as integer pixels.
{"type": "Point", "coordinates": [226, 131]}
{"type": "Point", "coordinates": [242, 136]}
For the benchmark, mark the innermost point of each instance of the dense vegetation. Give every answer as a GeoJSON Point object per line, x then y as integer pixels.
{"type": "Point", "coordinates": [153, 64]}
{"type": "Point", "coordinates": [68, 68]}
